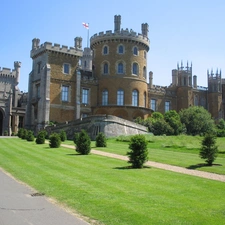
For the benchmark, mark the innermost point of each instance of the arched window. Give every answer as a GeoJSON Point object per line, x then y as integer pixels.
{"type": "Point", "coordinates": [105, 50]}
{"type": "Point", "coordinates": [134, 98]}
{"type": "Point", "coordinates": [105, 97]}
{"type": "Point", "coordinates": [85, 64]}
{"type": "Point", "coordinates": [145, 105]}
{"type": "Point", "coordinates": [105, 68]}
{"type": "Point", "coordinates": [120, 97]}
{"type": "Point", "coordinates": [120, 68]}
{"type": "Point", "coordinates": [145, 54]}
{"type": "Point", "coordinates": [135, 68]}
{"type": "Point", "coordinates": [120, 49]}
{"type": "Point", "coordinates": [135, 50]}
{"type": "Point", "coordinates": [144, 72]}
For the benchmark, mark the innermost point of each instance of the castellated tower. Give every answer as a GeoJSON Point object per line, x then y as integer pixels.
{"type": "Point", "coordinates": [53, 83]}
{"type": "Point", "coordinates": [120, 65]}
{"type": "Point", "coordinates": [215, 103]}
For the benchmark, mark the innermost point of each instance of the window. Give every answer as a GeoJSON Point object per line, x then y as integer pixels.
{"type": "Point", "coordinates": [105, 97]}
{"type": "Point", "coordinates": [85, 64]}
{"type": "Point", "coordinates": [167, 106]}
{"type": "Point", "coordinates": [85, 95]}
{"type": "Point", "coordinates": [120, 68]}
{"type": "Point", "coordinates": [120, 97]}
{"type": "Point", "coordinates": [196, 100]}
{"type": "Point", "coordinates": [105, 68]}
{"type": "Point", "coordinates": [153, 104]}
{"type": "Point", "coordinates": [105, 50]}
{"type": "Point", "coordinates": [134, 98]}
{"type": "Point", "coordinates": [66, 68]}
{"type": "Point", "coordinates": [65, 93]}
{"type": "Point", "coordinates": [39, 67]}
{"type": "Point", "coordinates": [144, 72]}
{"type": "Point", "coordinates": [145, 55]}
{"type": "Point", "coordinates": [135, 50]}
{"type": "Point", "coordinates": [120, 49]}
{"type": "Point", "coordinates": [83, 115]}
{"type": "Point", "coordinates": [38, 91]}
{"type": "Point", "coordinates": [145, 99]}
{"type": "Point", "coordinates": [135, 68]}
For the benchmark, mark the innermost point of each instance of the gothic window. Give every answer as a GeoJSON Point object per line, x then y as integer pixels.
{"type": "Point", "coordinates": [120, 68]}
{"type": "Point", "coordinates": [144, 72]}
{"type": "Point", "coordinates": [105, 50]}
{"type": "Point", "coordinates": [120, 49]}
{"type": "Point", "coordinates": [38, 93]}
{"type": "Point", "coordinates": [145, 55]}
{"type": "Point", "coordinates": [167, 106]}
{"type": "Point", "coordinates": [85, 96]}
{"type": "Point", "coordinates": [105, 97]}
{"type": "Point", "coordinates": [39, 67]}
{"type": "Point", "coordinates": [65, 93]}
{"type": "Point", "coordinates": [153, 105]}
{"type": "Point", "coordinates": [85, 64]}
{"type": "Point", "coordinates": [145, 100]}
{"type": "Point", "coordinates": [135, 50]}
{"type": "Point", "coordinates": [134, 98]}
{"type": "Point", "coordinates": [120, 97]}
{"type": "Point", "coordinates": [135, 68]}
{"type": "Point", "coordinates": [105, 68]}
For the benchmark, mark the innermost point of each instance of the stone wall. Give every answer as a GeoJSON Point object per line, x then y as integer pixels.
{"type": "Point", "coordinates": [111, 126]}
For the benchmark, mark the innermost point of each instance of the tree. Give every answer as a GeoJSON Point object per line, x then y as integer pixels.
{"type": "Point", "coordinates": [160, 127]}
{"type": "Point", "coordinates": [100, 140]}
{"type": "Point", "coordinates": [83, 145]}
{"type": "Point", "coordinates": [41, 137]}
{"type": "Point", "coordinates": [139, 152]}
{"type": "Point", "coordinates": [197, 120]}
{"type": "Point", "coordinates": [54, 140]}
{"type": "Point", "coordinates": [75, 138]}
{"type": "Point", "coordinates": [209, 150]}
{"type": "Point", "coordinates": [63, 135]}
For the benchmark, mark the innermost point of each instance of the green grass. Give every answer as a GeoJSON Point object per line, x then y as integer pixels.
{"type": "Point", "coordinates": [103, 189]}
{"type": "Point", "coordinates": [174, 150]}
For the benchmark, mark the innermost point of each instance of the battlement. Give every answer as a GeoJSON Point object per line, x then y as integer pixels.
{"type": "Point", "coordinates": [6, 72]}
{"type": "Point", "coordinates": [214, 76]}
{"type": "Point", "coordinates": [48, 46]}
{"type": "Point", "coordinates": [122, 34]}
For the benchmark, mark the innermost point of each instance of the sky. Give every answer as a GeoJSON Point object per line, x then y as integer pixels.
{"type": "Point", "coordinates": [192, 31]}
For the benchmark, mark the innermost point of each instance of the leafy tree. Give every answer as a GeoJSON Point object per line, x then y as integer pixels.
{"type": "Point", "coordinates": [41, 137]}
{"type": "Point", "coordinates": [221, 124]}
{"type": "Point", "coordinates": [139, 152]}
{"type": "Point", "coordinates": [54, 140]}
{"type": "Point", "coordinates": [160, 127]}
{"type": "Point", "coordinates": [30, 135]}
{"type": "Point", "coordinates": [209, 150]}
{"type": "Point", "coordinates": [83, 145]}
{"type": "Point", "coordinates": [63, 135]}
{"type": "Point", "coordinates": [197, 120]}
{"type": "Point", "coordinates": [100, 140]}
{"type": "Point", "coordinates": [157, 115]}
{"type": "Point", "coordinates": [173, 119]}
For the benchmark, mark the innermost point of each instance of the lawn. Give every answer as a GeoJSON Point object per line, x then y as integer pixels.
{"type": "Point", "coordinates": [102, 189]}
{"type": "Point", "coordinates": [174, 150]}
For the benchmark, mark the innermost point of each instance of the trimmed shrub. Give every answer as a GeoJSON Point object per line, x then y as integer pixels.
{"type": "Point", "coordinates": [30, 135]}
{"type": "Point", "coordinates": [24, 134]}
{"type": "Point", "coordinates": [54, 140]}
{"type": "Point", "coordinates": [139, 152]}
{"type": "Point", "coordinates": [20, 132]}
{"type": "Point", "coordinates": [83, 145]}
{"type": "Point", "coordinates": [41, 137]}
{"type": "Point", "coordinates": [63, 135]}
{"type": "Point", "coordinates": [209, 150]}
{"type": "Point", "coordinates": [75, 138]}
{"type": "Point", "coordinates": [100, 140]}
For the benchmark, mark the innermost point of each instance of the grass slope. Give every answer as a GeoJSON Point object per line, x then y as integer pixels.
{"type": "Point", "coordinates": [103, 189]}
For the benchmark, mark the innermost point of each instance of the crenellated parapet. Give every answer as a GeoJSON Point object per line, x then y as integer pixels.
{"type": "Point", "coordinates": [38, 49]}
{"type": "Point", "coordinates": [126, 35]}
{"type": "Point", "coordinates": [10, 76]}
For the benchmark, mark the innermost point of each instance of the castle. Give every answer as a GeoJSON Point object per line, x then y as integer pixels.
{"type": "Point", "coordinates": [110, 78]}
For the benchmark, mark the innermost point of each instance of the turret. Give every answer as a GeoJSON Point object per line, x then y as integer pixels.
{"type": "Point", "coordinates": [144, 29]}
{"type": "Point", "coordinates": [35, 43]}
{"type": "Point", "coordinates": [150, 79]}
{"type": "Point", "coordinates": [175, 77]}
{"type": "Point", "coordinates": [195, 81]}
{"type": "Point", "coordinates": [17, 66]}
{"type": "Point", "coordinates": [78, 43]}
{"type": "Point", "coordinates": [117, 23]}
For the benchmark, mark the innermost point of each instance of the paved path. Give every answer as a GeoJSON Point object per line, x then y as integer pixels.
{"type": "Point", "coordinates": [176, 169]}
{"type": "Point", "coordinates": [18, 207]}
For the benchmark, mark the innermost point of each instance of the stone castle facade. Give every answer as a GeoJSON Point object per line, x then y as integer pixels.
{"type": "Point", "coordinates": [12, 101]}
{"type": "Point", "coordinates": [110, 78]}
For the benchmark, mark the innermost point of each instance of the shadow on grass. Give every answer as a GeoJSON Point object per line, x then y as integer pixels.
{"type": "Point", "coordinates": [221, 152]}
{"type": "Point", "coordinates": [200, 165]}
{"type": "Point", "coordinates": [130, 167]}
{"type": "Point", "coordinates": [74, 154]}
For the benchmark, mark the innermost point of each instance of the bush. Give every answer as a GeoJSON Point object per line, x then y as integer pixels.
{"type": "Point", "coordinates": [63, 135]}
{"type": "Point", "coordinates": [6, 133]}
{"type": "Point", "coordinates": [83, 145]}
{"type": "Point", "coordinates": [41, 137]}
{"type": "Point", "coordinates": [209, 150]}
{"type": "Point", "coordinates": [30, 135]}
{"type": "Point", "coordinates": [75, 138]}
{"type": "Point", "coordinates": [100, 140]}
{"type": "Point", "coordinates": [24, 134]}
{"type": "Point", "coordinates": [20, 132]}
{"type": "Point", "coordinates": [139, 152]}
{"type": "Point", "coordinates": [54, 140]}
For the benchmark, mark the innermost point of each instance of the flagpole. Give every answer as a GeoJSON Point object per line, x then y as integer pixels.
{"type": "Point", "coordinates": [87, 35]}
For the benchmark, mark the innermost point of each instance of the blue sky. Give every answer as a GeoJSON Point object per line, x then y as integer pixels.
{"type": "Point", "coordinates": [178, 30]}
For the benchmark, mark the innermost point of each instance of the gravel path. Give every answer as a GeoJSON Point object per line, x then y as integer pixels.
{"type": "Point", "coordinates": [177, 169]}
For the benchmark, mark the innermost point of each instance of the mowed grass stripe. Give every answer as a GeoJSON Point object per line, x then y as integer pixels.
{"type": "Point", "coordinates": [101, 188]}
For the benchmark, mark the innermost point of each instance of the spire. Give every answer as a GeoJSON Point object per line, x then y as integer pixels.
{"type": "Point", "coordinates": [182, 65]}
{"type": "Point", "coordinates": [178, 65]}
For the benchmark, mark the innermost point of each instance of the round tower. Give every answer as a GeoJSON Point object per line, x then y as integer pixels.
{"type": "Point", "coordinates": [120, 65]}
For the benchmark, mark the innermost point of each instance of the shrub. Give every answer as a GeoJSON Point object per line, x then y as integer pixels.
{"type": "Point", "coordinates": [75, 138]}
{"type": "Point", "coordinates": [20, 132]}
{"type": "Point", "coordinates": [30, 136]}
{"type": "Point", "coordinates": [83, 143]}
{"type": "Point", "coordinates": [209, 150]}
{"type": "Point", "coordinates": [54, 140]}
{"type": "Point", "coordinates": [24, 134]}
{"type": "Point", "coordinates": [41, 137]}
{"type": "Point", "coordinates": [63, 135]}
{"type": "Point", "coordinates": [6, 133]}
{"type": "Point", "coordinates": [139, 152]}
{"type": "Point", "coordinates": [100, 140]}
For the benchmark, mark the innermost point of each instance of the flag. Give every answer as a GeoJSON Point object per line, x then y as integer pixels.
{"type": "Point", "coordinates": [86, 25]}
